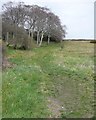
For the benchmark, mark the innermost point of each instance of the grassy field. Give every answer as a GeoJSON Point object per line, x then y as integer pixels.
{"type": "Point", "coordinates": [50, 82]}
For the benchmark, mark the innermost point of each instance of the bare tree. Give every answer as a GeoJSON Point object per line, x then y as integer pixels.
{"type": "Point", "coordinates": [35, 19]}
{"type": "Point", "coordinates": [13, 19]}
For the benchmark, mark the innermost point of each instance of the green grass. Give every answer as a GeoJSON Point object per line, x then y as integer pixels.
{"type": "Point", "coordinates": [63, 76]}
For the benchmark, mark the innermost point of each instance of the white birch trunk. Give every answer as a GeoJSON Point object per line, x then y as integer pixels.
{"type": "Point", "coordinates": [32, 34]}
{"type": "Point", "coordinates": [48, 39]}
{"type": "Point", "coordinates": [38, 37]}
{"type": "Point", "coordinates": [41, 38]}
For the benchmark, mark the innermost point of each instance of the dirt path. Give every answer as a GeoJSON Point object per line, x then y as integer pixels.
{"type": "Point", "coordinates": [55, 107]}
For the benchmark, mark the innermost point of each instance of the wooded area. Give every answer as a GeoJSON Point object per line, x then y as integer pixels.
{"type": "Point", "coordinates": [21, 24]}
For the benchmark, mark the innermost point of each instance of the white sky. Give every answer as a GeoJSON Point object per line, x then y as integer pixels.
{"type": "Point", "coordinates": [77, 15]}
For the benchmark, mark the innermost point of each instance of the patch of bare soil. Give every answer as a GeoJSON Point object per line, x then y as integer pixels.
{"type": "Point", "coordinates": [6, 63]}
{"type": "Point", "coordinates": [55, 107]}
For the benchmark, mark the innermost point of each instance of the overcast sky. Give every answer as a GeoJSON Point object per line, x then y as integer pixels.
{"type": "Point", "coordinates": [77, 15]}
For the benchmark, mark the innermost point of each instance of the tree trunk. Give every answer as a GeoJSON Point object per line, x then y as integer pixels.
{"type": "Point", "coordinates": [32, 34]}
{"type": "Point", "coordinates": [38, 37]}
{"type": "Point", "coordinates": [29, 34]}
{"type": "Point", "coordinates": [48, 39]}
{"type": "Point", "coordinates": [41, 38]}
{"type": "Point", "coordinates": [7, 40]}
{"type": "Point", "coordinates": [29, 40]}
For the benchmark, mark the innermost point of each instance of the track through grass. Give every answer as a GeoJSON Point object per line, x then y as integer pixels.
{"type": "Point", "coordinates": [50, 82]}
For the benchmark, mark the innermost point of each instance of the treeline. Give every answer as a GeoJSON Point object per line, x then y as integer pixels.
{"type": "Point", "coordinates": [21, 24]}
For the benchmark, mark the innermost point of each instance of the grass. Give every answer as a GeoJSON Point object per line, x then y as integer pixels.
{"type": "Point", "coordinates": [0, 79]}
{"type": "Point", "coordinates": [50, 82]}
